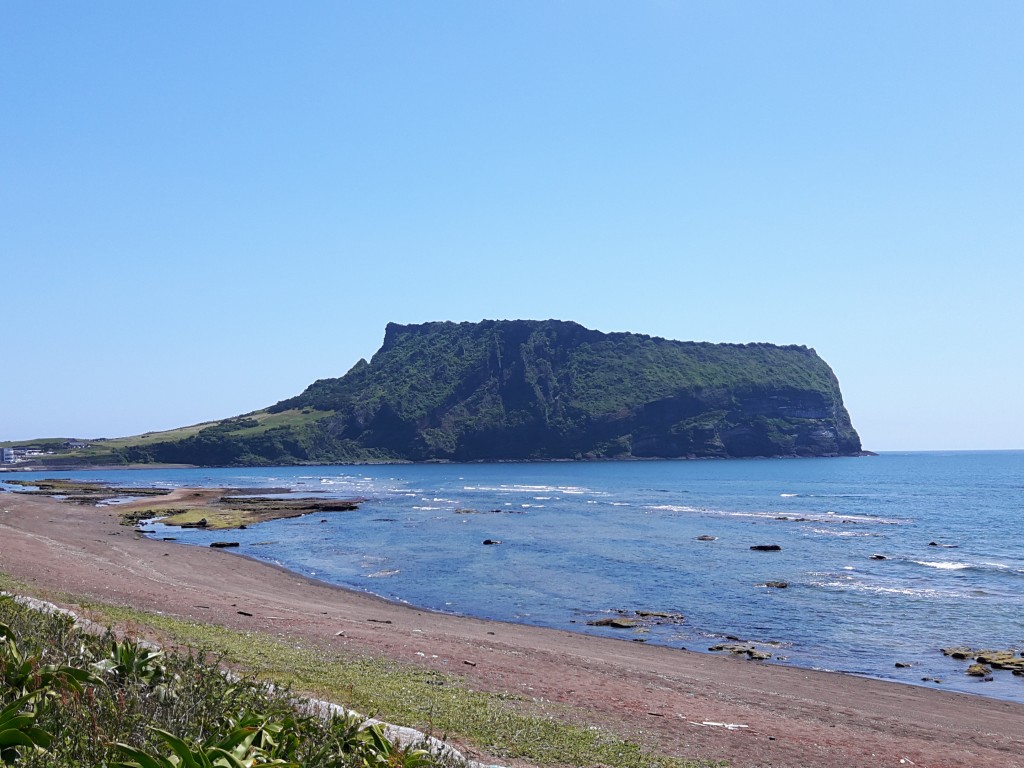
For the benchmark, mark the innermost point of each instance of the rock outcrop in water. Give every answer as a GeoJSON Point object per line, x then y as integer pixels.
{"type": "Point", "coordinates": [518, 390]}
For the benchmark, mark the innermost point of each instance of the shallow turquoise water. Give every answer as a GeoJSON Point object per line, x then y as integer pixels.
{"type": "Point", "coordinates": [580, 540]}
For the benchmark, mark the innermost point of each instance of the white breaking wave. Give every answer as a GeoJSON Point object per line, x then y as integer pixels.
{"type": "Point", "coordinates": [808, 517]}
{"type": "Point", "coordinates": [945, 566]}
{"type": "Point", "coordinates": [846, 533]}
{"type": "Point", "coordinates": [383, 574]}
{"type": "Point", "coordinates": [680, 508]}
{"type": "Point", "coordinates": [847, 582]}
{"type": "Point", "coordinates": [570, 489]}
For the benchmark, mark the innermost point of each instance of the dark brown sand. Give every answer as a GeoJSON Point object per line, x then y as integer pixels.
{"type": "Point", "coordinates": [666, 698]}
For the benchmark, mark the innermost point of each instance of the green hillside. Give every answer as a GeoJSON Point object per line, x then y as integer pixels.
{"type": "Point", "coordinates": [532, 390]}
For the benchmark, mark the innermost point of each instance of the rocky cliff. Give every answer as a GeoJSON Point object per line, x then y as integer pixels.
{"type": "Point", "coordinates": [551, 390]}
{"type": "Point", "coordinates": [518, 389]}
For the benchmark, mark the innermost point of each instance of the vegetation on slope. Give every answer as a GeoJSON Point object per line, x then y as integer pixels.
{"type": "Point", "coordinates": [72, 699]}
{"type": "Point", "coordinates": [91, 694]}
{"type": "Point", "coordinates": [515, 390]}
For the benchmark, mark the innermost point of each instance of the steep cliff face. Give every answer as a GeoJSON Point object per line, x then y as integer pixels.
{"type": "Point", "coordinates": [550, 389]}
{"type": "Point", "coordinates": [538, 390]}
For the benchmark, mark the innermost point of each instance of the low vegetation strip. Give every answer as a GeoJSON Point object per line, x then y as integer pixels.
{"type": "Point", "coordinates": [200, 709]}
{"type": "Point", "coordinates": [70, 698]}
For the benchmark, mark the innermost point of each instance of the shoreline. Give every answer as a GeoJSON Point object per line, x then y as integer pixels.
{"type": "Point", "coordinates": [793, 716]}
{"type": "Point", "coordinates": [61, 467]}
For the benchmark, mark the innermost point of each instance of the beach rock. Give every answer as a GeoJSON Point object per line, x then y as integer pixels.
{"type": "Point", "coordinates": [766, 548]}
{"type": "Point", "coordinates": [224, 544]}
{"type": "Point", "coordinates": [757, 655]}
{"type": "Point", "coordinates": [958, 652]}
{"type": "Point", "coordinates": [203, 523]}
{"type": "Point", "coordinates": [1007, 659]}
{"type": "Point", "coordinates": [978, 670]}
{"type": "Point", "coordinates": [738, 650]}
{"type": "Point", "coordinates": [489, 542]}
{"type": "Point", "coordinates": [670, 617]}
{"type": "Point", "coordinates": [775, 584]}
{"type": "Point", "coordinates": [705, 537]}
{"type": "Point", "coordinates": [617, 622]}
{"type": "Point", "coordinates": [988, 656]}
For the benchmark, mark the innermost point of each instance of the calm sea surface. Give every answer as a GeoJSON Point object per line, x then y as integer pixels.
{"type": "Point", "coordinates": [580, 541]}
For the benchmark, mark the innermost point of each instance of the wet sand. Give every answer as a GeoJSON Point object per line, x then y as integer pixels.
{"type": "Point", "coordinates": [659, 696]}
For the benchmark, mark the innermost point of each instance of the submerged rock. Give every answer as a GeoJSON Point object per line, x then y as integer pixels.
{"type": "Point", "coordinates": [775, 584]}
{"type": "Point", "coordinates": [958, 652]}
{"type": "Point", "coordinates": [224, 544]}
{"type": "Point", "coordinates": [766, 548]}
{"type": "Point", "coordinates": [672, 617]}
{"type": "Point", "coordinates": [741, 650]}
{"type": "Point", "coordinates": [618, 622]}
{"type": "Point", "coordinates": [705, 537]}
{"type": "Point", "coordinates": [738, 650]}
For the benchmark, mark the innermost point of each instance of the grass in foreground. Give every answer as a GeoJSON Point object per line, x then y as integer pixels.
{"type": "Point", "coordinates": [501, 725]}
{"type": "Point", "coordinates": [72, 699]}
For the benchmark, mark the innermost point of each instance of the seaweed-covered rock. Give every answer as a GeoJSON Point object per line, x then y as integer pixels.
{"type": "Point", "coordinates": [978, 670]}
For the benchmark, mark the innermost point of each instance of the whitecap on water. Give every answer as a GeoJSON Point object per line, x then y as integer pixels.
{"type": "Point", "coordinates": [848, 582]}
{"type": "Point", "coordinates": [944, 566]}
{"type": "Point", "coordinates": [842, 533]}
{"type": "Point", "coordinates": [383, 574]}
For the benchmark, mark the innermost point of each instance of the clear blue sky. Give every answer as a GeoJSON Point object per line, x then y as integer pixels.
{"type": "Point", "coordinates": [206, 206]}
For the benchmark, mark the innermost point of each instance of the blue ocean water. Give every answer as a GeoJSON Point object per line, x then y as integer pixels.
{"type": "Point", "coordinates": [580, 541]}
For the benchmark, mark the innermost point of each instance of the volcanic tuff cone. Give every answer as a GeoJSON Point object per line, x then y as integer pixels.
{"type": "Point", "coordinates": [523, 389]}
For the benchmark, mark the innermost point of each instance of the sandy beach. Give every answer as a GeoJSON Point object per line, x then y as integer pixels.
{"type": "Point", "coordinates": [670, 699]}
